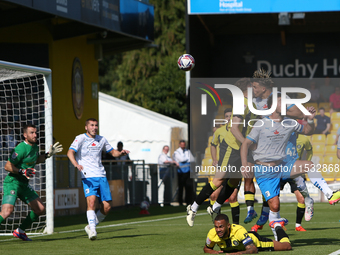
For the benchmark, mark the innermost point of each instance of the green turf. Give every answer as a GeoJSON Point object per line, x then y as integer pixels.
{"type": "Point", "coordinates": [165, 231]}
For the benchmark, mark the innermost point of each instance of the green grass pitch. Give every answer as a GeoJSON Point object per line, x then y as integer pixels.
{"type": "Point", "coordinates": [165, 231]}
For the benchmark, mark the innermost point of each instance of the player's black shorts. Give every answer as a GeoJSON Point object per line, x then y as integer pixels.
{"type": "Point", "coordinates": [229, 163]}
{"type": "Point", "coordinates": [293, 186]}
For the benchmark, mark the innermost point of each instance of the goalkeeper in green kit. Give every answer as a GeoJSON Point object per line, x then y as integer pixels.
{"type": "Point", "coordinates": [20, 166]}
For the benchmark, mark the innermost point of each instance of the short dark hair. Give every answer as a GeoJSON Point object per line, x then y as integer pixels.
{"type": "Point", "coordinates": [243, 83]}
{"type": "Point", "coordinates": [222, 217]}
{"type": "Point", "coordinates": [227, 110]}
{"type": "Point", "coordinates": [90, 119]}
{"type": "Point", "coordinates": [119, 143]}
{"type": "Point", "coordinates": [321, 108]}
{"type": "Point", "coordinates": [182, 141]}
{"type": "Point", "coordinates": [28, 125]}
{"type": "Point", "coordinates": [262, 77]}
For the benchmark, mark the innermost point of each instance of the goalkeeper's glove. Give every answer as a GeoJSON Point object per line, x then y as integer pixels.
{"type": "Point", "coordinates": [28, 173]}
{"type": "Point", "coordinates": [54, 149]}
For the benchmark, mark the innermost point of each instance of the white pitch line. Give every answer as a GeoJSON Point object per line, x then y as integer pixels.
{"type": "Point", "coordinates": [116, 225]}
{"type": "Point", "coordinates": [335, 253]}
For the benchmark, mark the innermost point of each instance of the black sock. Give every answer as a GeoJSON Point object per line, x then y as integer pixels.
{"type": "Point", "coordinates": [299, 214]}
{"type": "Point", "coordinates": [204, 194]}
{"type": "Point", "coordinates": [280, 233]}
{"type": "Point", "coordinates": [226, 192]}
{"type": "Point", "coordinates": [249, 197]}
{"type": "Point", "coordinates": [235, 213]}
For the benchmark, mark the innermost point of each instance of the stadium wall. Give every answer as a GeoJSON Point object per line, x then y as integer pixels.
{"type": "Point", "coordinates": [32, 44]}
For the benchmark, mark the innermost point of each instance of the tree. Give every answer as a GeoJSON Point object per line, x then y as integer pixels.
{"type": "Point", "coordinates": [150, 77]}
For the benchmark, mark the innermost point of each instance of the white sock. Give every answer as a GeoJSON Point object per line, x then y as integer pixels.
{"type": "Point", "coordinates": [301, 184]}
{"type": "Point", "coordinates": [274, 233]}
{"type": "Point", "coordinates": [194, 206]}
{"type": "Point", "coordinates": [216, 206]}
{"type": "Point", "coordinates": [297, 225]}
{"type": "Point", "coordinates": [249, 208]}
{"type": "Point", "coordinates": [100, 217]}
{"type": "Point", "coordinates": [319, 182]}
{"type": "Point", "coordinates": [274, 216]}
{"type": "Point", "coordinates": [91, 219]}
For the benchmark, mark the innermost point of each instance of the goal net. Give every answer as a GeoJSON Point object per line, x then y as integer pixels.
{"type": "Point", "coordinates": [25, 97]}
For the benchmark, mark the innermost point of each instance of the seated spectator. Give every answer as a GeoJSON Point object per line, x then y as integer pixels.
{"type": "Point", "coordinates": [327, 90]}
{"type": "Point", "coordinates": [315, 93]}
{"type": "Point", "coordinates": [323, 123]}
{"type": "Point", "coordinates": [334, 100]}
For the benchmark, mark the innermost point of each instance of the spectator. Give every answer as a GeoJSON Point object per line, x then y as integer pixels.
{"type": "Point", "coordinates": [315, 93]}
{"type": "Point", "coordinates": [327, 90]}
{"type": "Point", "coordinates": [165, 163]}
{"type": "Point", "coordinates": [323, 123]}
{"type": "Point", "coordinates": [182, 157]}
{"type": "Point", "coordinates": [123, 156]}
{"type": "Point", "coordinates": [334, 100]}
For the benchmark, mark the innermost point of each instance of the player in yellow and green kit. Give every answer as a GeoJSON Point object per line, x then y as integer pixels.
{"type": "Point", "coordinates": [20, 166]}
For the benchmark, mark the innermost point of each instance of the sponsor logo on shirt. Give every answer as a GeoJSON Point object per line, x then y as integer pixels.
{"type": "Point", "coordinates": [12, 192]}
{"type": "Point", "coordinates": [235, 243]}
{"type": "Point", "coordinates": [208, 241]}
{"type": "Point", "coordinates": [87, 191]}
{"type": "Point", "coordinates": [276, 132]}
{"type": "Point", "coordinates": [14, 155]}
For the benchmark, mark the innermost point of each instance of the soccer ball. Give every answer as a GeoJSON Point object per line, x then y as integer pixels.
{"type": "Point", "coordinates": [144, 205]}
{"type": "Point", "coordinates": [186, 62]}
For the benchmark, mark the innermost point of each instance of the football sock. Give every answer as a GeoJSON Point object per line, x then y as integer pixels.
{"type": "Point", "coordinates": [212, 202]}
{"type": "Point", "coordinates": [216, 206]}
{"type": "Point", "coordinates": [226, 192]}
{"type": "Point", "coordinates": [28, 221]}
{"type": "Point", "coordinates": [274, 216]}
{"type": "Point", "coordinates": [235, 212]}
{"type": "Point", "coordinates": [319, 182]}
{"type": "Point", "coordinates": [1, 219]}
{"type": "Point", "coordinates": [282, 236]}
{"type": "Point", "coordinates": [100, 217]}
{"type": "Point", "coordinates": [249, 197]}
{"type": "Point", "coordinates": [264, 203]}
{"type": "Point", "coordinates": [301, 184]}
{"type": "Point", "coordinates": [91, 219]}
{"type": "Point", "coordinates": [194, 207]}
{"type": "Point", "coordinates": [205, 193]}
{"type": "Point", "coordinates": [300, 211]}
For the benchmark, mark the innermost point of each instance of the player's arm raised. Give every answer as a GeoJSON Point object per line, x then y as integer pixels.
{"type": "Point", "coordinates": [294, 112]}
{"type": "Point", "coordinates": [308, 129]}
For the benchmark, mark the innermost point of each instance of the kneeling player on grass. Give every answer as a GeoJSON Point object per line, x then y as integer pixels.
{"type": "Point", "coordinates": [235, 238]}
{"type": "Point", "coordinates": [20, 166]}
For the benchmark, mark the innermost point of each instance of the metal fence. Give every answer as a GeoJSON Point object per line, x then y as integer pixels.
{"type": "Point", "coordinates": [150, 182]}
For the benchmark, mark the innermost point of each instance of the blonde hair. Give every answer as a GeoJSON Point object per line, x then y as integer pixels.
{"type": "Point", "coordinates": [263, 78]}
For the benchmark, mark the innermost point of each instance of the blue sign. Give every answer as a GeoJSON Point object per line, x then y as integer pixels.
{"type": "Point", "coordinates": [260, 6]}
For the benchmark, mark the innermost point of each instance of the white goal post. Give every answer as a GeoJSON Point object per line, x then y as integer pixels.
{"type": "Point", "coordinates": [26, 97]}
